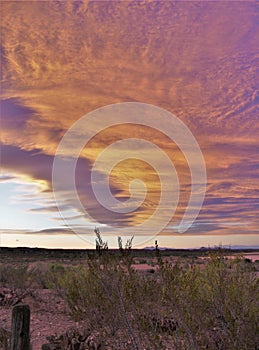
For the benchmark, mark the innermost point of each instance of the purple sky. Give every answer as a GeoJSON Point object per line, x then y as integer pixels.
{"type": "Point", "coordinates": [61, 60]}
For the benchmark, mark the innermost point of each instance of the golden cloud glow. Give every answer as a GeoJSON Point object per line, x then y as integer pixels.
{"type": "Point", "coordinates": [63, 59]}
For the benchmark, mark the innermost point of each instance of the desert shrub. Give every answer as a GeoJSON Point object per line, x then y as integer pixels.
{"type": "Point", "coordinates": [232, 294]}
{"type": "Point", "coordinates": [107, 296]}
{"type": "Point", "coordinates": [56, 268]}
{"type": "Point", "coordinates": [14, 276]}
{"type": "Point", "coordinates": [215, 307]}
{"type": "Point", "coordinates": [40, 278]}
{"type": "Point", "coordinates": [48, 279]}
{"type": "Point", "coordinates": [94, 291]}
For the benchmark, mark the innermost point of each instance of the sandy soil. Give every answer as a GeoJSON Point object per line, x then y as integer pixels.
{"type": "Point", "coordinates": [48, 316]}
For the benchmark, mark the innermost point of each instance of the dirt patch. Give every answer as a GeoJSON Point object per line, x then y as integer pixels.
{"type": "Point", "coordinates": [49, 315]}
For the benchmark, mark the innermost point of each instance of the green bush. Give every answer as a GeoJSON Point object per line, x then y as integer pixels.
{"type": "Point", "coordinates": [215, 307]}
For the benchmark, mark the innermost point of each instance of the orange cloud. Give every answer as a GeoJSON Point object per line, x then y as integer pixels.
{"type": "Point", "coordinates": [61, 60]}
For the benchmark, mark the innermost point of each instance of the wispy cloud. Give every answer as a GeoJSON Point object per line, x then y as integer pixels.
{"type": "Point", "coordinates": [61, 60]}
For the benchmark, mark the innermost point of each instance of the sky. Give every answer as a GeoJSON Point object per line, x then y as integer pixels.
{"type": "Point", "coordinates": [191, 63]}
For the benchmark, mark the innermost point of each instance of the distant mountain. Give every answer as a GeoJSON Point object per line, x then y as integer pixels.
{"type": "Point", "coordinates": [231, 247]}
{"type": "Point", "coordinates": [235, 247]}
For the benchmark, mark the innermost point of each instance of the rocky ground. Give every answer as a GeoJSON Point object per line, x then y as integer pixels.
{"type": "Point", "coordinates": [48, 313]}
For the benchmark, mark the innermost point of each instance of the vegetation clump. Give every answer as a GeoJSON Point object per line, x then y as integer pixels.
{"type": "Point", "coordinates": [178, 304]}
{"type": "Point", "coordinates": [175, 307]}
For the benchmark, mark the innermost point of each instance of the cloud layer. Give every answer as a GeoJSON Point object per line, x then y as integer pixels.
{"type": "Point", "coordinates": [61, 60]}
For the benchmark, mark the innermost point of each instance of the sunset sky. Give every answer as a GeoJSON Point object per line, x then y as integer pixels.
{"type": "Point", "coordinates": [61, 60]}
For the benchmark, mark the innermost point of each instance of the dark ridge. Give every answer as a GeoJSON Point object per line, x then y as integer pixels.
{"type": "Point", "coordinates": [84, 253]}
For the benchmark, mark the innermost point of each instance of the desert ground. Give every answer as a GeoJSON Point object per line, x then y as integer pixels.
{"type": "Point", "coordinates": [32, 277]}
